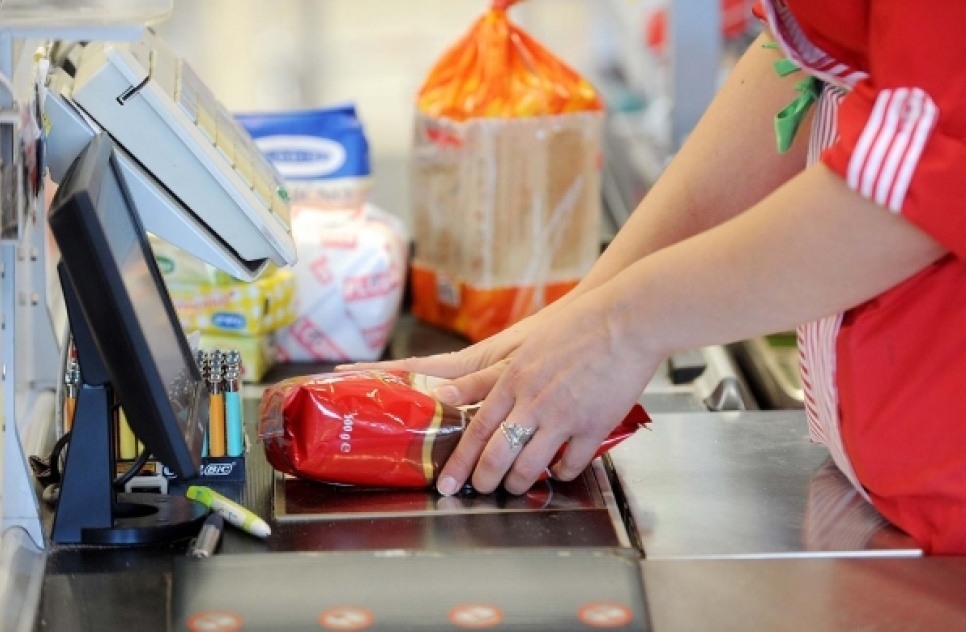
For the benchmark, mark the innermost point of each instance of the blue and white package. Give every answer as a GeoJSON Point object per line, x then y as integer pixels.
{"type": "Point", "coordinates": [322, 154]}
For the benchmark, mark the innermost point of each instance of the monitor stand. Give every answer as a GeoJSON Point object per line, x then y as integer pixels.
{"type": "Point", "coordinates": [89, 510]}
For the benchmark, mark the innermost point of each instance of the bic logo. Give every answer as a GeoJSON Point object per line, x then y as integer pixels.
{"type": "Point", "coordinates": [216, 469]}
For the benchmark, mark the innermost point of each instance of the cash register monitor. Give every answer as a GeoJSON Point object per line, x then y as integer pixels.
{"type": "Point", "coordinates": [131, 348]}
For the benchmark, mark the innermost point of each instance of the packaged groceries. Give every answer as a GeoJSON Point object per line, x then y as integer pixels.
{"type": "Point", "coordinates": [237, 307]}
{"type": "Point", "coordinates": [506, 203]}
{"type": "Point", "coordinates": [351, 275]}
{"type": "Point", "coordinates": [371, 427]}
{"type": "Point", "coordinates": [353, 255]}
{"type": "Point", "coordinates": [322, 154]}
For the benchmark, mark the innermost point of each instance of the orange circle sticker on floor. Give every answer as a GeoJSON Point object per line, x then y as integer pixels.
{"type": "Point", "coordinates": [214, 621]}
{"type": "Point", "coordinates": [475, 616]}
{"type": "Point", "coordinates": [605, 614]}
{"type": "Point", "coordinates": [345, 618]}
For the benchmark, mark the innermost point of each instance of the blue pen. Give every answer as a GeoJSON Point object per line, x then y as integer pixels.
{"type": "Point", "coordinates": [234, 423]}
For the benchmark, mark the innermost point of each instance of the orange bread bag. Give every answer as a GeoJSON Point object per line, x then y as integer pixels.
{"type": "Point", "coordinates": [506, 207]}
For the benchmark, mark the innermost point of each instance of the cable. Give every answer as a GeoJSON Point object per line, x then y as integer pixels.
{"type": "Point", "coordinates": [55, 459]}
{"type": "Point", "coordinates": [47, 470]}
{"type": "Point", "coordinates": [133, 471]}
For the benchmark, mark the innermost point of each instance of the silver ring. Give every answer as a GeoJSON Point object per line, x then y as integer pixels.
{"type": "Point", "coordinates": [516, 435]}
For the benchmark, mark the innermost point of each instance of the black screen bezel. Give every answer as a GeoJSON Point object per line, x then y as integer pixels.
{"type": "Point", "coordinates": [77, 219]}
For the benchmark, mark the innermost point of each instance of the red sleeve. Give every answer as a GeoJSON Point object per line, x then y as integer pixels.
{"type": "Point", "coordinates": [902, 130]}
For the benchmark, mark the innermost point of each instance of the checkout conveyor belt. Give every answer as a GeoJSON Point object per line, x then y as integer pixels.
{"type": "Point", "coordinates": [399, 555]}
{"type": "Point", "coordinates": [707, 523]}
{"type": "Point", "coordinates": [718, 520]}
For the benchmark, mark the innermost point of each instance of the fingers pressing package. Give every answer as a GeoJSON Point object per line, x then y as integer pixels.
{"type": "Point", "coordinates": [373, 428]}
{"type": "Point", "coordinates": [506, 206]}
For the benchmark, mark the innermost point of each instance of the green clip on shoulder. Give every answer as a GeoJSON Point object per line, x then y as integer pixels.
{"type": "Point", "coordinates": [790, 118]}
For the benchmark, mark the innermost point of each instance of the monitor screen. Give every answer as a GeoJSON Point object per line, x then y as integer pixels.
{"type": "Point", "coordinates": [128, 311]}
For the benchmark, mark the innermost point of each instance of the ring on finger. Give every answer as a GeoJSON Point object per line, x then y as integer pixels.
{"type": "Point", "coordinates": [515, 434]}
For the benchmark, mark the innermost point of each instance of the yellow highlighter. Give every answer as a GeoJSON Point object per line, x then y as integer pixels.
{"type": "Point", "coordinates": [233, 513]}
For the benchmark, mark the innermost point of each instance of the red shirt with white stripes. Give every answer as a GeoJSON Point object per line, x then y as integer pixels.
{"type": "Point", "coordinates": [886, 380]}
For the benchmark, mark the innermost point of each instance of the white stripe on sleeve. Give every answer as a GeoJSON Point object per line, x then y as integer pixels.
{"type": "Point", "coordinates": [866, 140]}
{"type": "Point", "coordinates": [896, 152]}
{"type": "Point", "coordinates": [925, 125]}
{"type": "Point", "coordinates": [889, 148]}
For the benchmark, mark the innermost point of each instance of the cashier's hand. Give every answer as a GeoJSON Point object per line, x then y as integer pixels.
{"type": "Point", "coordinates": [471, 372]}
{"type": "Point", "coordinates": [572, 380]}
{"type": "Point", "coordinates": [564, 373]}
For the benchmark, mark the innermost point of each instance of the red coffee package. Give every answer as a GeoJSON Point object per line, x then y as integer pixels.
{"type": "Point", "coordinates": [374, 428]}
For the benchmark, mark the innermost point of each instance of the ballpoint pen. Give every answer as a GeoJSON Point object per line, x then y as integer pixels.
{"type": "Point", "coordinates": [201, 359]}
{"type": "Point", "coordinates": [233, 513]}
{"type": "Point", "coordinates": [216, 418]}
{"type": "Point", "coordinates": [207, 541]}
{"type": "Point", "coordinates": [71, 385]}
{"type": "Point", "coordinates": [234, 424]}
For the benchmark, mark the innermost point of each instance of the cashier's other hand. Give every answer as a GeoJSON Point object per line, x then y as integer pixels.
{"type": "Point", "coordinates": [572, 380]}
{"type": "Point", "coordinates": [470, 373]}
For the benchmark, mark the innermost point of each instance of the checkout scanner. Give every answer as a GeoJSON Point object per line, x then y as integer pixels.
{"type": "Point", "coordinates": [195, 179]}
{"type": "Point", "coordinates": [196, 176]}
{"type": "Point", "coordinates": [139, 144]}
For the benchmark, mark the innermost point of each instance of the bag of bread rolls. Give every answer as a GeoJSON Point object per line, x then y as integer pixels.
{"type": "Point", "coordinates": [506, 206]}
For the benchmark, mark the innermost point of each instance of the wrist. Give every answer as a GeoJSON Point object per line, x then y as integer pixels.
{"type": "Point", "coordinates": [634, 323]}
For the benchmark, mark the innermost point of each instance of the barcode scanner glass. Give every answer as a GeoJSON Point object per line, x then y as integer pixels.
{"type": "Point", "coordinates": [129, 342]}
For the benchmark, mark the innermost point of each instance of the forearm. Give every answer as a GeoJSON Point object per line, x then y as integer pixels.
{"type": "Point", "coordinates": [728, 163]}
{"type": "Point", "coordinates": [811, 249]}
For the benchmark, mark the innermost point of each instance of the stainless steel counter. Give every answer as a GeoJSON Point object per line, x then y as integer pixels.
{"type": "Point", "coordinates": [826, 594]}
{"type": "Point", "coordinates": [743, 484]}
{"type": "Point", "coordinates": [738, 487]}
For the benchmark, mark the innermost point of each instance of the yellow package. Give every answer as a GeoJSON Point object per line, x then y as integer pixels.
{"type": "Point", "coordinates": [506, 202]}
{"type": "Point", "coordinates": [182, 268]}
{"type": "Point", "coordinates": [258, 307]}
{"type": "Point", "coordinates": [259, 353]}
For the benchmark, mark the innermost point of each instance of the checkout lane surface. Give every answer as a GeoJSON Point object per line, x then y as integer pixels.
{"type": "Point", "coordinates": [682, 567]}
{"type": "Point", "coordinates": [710, 508]}
{"type": "Point", "coordinates": [563, 530]}
{"type": "Point", "coordinates": [744, 484]}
